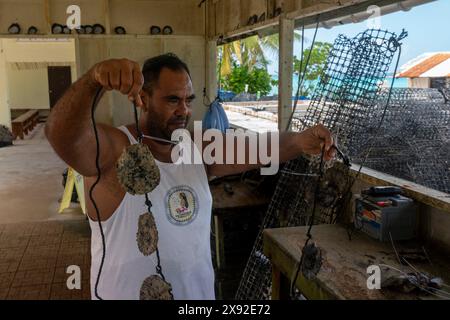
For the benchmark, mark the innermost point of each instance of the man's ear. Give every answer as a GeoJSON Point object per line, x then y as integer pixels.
{"type": "Point", "coordinates": [145, 99]}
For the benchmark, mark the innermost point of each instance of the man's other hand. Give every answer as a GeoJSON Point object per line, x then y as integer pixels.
{"type": "Point", "coordinates": [312, 141]}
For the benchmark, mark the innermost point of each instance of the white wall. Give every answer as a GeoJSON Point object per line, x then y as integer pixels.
{"type": "Point", "coordinates": [138, 16]}
{"type": "Point", "coordinates": [185, 17]}
{"type": "Point", "coordinates": [5, 115]}
{"type": "Point", "coordinates": [12, 11]}
{"type": "Point", "coordinates": [27, 85]}
{"type": "Point", "coordinates": [23, 71]}
{"type": "Point", "coordinates": [28, 89]}
{"type": "Point", "coordinates": [40, 50]}
{"type": "Point", "coordinates": [115, 108]}
{"type": "Point", "coordinates": [419, 82]}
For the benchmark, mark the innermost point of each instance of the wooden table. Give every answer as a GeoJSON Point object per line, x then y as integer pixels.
{"type": "Point", "coordinates": [24, 123]}
{"type": "Point", "coordinates": [224, 203]}
{"type": "Point", "coordinates": [344, 270]}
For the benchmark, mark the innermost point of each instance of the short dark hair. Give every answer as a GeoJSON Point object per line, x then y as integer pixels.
{"type": "Point", "coordinates": [152, 68]}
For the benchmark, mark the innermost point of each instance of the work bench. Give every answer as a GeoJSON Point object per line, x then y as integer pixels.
{"type": "Point", "coordinates": [231, 197]}
{"type": "Point", "coordinates": [238, 209]}
{"type": "Point", "coordinates": [344, 273]}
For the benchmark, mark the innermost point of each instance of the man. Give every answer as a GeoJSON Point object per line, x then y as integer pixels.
{"type": "Point", "coordinates": [164, 93]}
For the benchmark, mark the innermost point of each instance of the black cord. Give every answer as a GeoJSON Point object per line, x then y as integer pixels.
{"type": "Point", "coordinates": [311, 222]}
{"type": "Point", "coordinates": [299, 84]}
{"type": "Point", "coordinates": [398, 46]}
{"type": "Point", "coordinates": [300, 81]}
{"type": "Point", "coordinates": [140, 136]}
{"type": "Point", "coordinates": [148, 203]}
{"type": "Point", "coordinates": [377, 131]}
{"type": "Point", "coordinates": [97, 165]}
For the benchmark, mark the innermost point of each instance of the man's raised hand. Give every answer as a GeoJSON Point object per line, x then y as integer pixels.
{"type": "Point", "coordinates": [119, 74]}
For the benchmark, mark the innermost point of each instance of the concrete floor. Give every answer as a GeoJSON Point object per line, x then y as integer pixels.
{"type": "Point", "coordinates": [37, 244]}
{"type": "Point", "coordinates": [31, 181]}
{"type": "Point", "coordinates": [34, 257]}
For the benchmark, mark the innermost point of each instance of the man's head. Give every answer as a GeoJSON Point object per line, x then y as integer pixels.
{"type": "Point", "coordinates": [167, 95]}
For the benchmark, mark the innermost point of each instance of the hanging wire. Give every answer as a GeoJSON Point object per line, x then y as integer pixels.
{"type": "Point", "coordinates": [140, 136]}
{"type": "Point", "coordinates": [443, 294]}
{"type": "Point", "coordinates": [148, 203]}
{"type": "Point", "coordinates": [300, 72]}
{"type": "Point", "coordinates": [91, 191]}
{"type": "Point", "coordinates": [136, 119]}
{"type": "Point", "coordinates": [395, 45]}
{"type": "Point", "coordinates": [350, 81]}
{"type": "Point", "coordinates": [311, 222]}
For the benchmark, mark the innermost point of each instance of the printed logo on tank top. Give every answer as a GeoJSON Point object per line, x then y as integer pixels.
{"type": "Point", "coordinates": [182, 205]}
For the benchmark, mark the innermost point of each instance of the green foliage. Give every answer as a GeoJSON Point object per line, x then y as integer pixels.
{"type": "Point", "coordinates": [316, 65]}
{"type": "Point", "coordinates": [257, 79]}
{"type": "Point", "coordinates": [253, 52]}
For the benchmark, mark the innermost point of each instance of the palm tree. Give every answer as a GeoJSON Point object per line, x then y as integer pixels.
{"type": "Point", "coordinates": [253, 52]}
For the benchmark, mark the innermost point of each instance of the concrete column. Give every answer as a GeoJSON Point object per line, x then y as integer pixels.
{"type": "Point", "coordinates": [5, 113]}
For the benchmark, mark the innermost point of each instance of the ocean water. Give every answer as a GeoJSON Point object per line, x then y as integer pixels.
{"type": "Point", "coordinates": [398, 83]}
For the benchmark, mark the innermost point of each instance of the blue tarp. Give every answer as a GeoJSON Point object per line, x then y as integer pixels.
{"type": "Point", "coordinates": [216, 118]}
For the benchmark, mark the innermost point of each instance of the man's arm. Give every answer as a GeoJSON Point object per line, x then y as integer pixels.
{"type": "Point", "coordinates": [291, 146]}
{"type": "Point", "coordinates": [69, 128]}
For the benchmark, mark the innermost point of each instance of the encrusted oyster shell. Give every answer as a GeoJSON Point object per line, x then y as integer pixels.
{"type": "Point", "coordinates": [312, 261]}
{"type": "Point", "coordinates": [147, 234]}
{"type": "Point", "coordinates": [137, 171]}
{"type": "Point", "coordinates": [155, 288]}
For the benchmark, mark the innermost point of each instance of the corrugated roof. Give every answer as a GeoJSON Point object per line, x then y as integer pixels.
{"type": "Point", "coordinates": [441, 70]}
{"type": "Point", "coordinates": [427, 66]}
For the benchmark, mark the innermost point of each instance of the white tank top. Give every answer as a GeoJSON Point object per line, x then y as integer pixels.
{"type": "Point", "coordinates": [182, 205]}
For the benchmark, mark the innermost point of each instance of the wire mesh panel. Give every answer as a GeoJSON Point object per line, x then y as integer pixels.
{"type": "Point", "coordinates": [344, 97]}
{"type": "Point", "coordinates": [348, 88]}
{"type": "Point", "coordinates": [413, 140]}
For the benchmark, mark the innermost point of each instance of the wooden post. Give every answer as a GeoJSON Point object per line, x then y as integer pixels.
{"type": "Point", "coordinates": [285, 71]}
{"type": "Point", "coordinates": [48, 26]}
{"type": "Point", "coordinates": [106, 12]}
{"type": "Point", "coordinates": [211, 70]}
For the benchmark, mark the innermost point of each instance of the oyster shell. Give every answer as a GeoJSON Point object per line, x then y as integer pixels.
{"type": "Point", "coordinates": [155, 288]}
{"type": "Point", "coordinates": [147, 234]}
{"type": "Point", "coordinates": [137, 171]}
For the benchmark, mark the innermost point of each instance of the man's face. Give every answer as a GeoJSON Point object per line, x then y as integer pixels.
{"type": "Point", "coordinates": [169, 107]}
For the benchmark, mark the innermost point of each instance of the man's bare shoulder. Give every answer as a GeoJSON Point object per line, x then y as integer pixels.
{"type": "Point", "coordinates": [117, 138]}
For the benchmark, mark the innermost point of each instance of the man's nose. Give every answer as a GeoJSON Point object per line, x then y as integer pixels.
{"type": "Point", "coordinates": [183, 109]}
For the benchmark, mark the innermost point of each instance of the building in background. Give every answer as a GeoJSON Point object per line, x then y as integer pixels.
{"type": "Point", "coordinates": [430, 70]}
